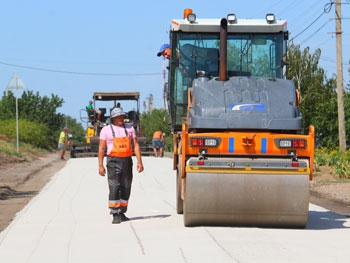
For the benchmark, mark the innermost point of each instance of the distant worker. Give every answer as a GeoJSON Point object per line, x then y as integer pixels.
{"type": "Point", "coordinates": [91, 111]}
{"type": "Point", "coordinates": [165, 51]}
{"type": "Point", "coordinates": [117, 106]}
{"type": "Point", "coordinates": [158, 143]}
{"type": "Point", "coordinates": [118, 139]}
{"type": "Point", "coordinates": [62, 142]}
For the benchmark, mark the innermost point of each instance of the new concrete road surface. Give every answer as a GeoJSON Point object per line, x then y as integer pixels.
{"type": "Point", "coordinates": [69, 222]}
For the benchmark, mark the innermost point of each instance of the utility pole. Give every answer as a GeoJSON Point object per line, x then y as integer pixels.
{"type": "Point", "coordinates": [144, 106]}
{"type": "Point", "coordinates": [339, 51]}
{"type": "Point", "coordinates": [150, 103]}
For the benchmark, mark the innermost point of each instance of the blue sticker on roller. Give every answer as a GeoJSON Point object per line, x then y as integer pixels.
{"type": "Point", "coordinates": [231, 145]}
{"type": "Point", "coordinates": [248, 107]}
{"type": "Point", "coordinates": [263, 145]}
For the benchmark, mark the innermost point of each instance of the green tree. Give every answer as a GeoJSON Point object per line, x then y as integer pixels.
{"type": "Point", "coordinates": [75, 129]}
{"type": "Point", "coordinates": [318, 94]}
{"type": "Point", "coordinates": [39, 118]}
{"type": "Point", "coordinates": [158, 119]}
{"type": "Point", "coordinates": [8, 106]}
{"type": "Point", "coordinates": [347, 114]}
{"type": "Point", "coordinates": [33, 107]}
{"type": "Point", "coordinates": [33, 133]}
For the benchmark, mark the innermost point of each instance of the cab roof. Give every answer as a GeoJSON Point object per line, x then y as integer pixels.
{"type": "Point", "coordinates": [240, 26]}
{"type": "Point", "coordinates": [108, 96]}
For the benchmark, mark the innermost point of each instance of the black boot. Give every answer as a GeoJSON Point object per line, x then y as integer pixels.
{"type": "Point", "coordinates": [124, 217]}
{"type": "Point", "coordinates": [116, 219]}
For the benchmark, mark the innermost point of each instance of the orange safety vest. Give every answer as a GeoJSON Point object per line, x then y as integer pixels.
{"type": "Point", "coordinates": [121, 145]}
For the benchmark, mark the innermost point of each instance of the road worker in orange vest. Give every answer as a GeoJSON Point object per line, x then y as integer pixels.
{"type": "Point", "coordinates": [118, 139]}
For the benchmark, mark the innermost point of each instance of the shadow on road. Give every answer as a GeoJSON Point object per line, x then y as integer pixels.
{"type": "Point", "coordinates": [148, 217]}
{"type": "Point", "coordinates": [323, 220]}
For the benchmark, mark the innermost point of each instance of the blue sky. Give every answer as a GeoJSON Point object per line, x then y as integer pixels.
{"type": "Point", "coordinates": [72, 48]}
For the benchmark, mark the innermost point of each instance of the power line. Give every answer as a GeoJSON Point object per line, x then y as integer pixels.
{"type": "Point", "coordinates": [328, 59]}
{"type": "Point", "coordinates": [307, 27]}
{"type": "Point", "coordinates": [79, 73]}
{"type": "Point", "coordinates": [326, 9]}
{"type": "Point", "coordinates": [318, 30]}
{"type": "Point", "coordinates": [333, 60]}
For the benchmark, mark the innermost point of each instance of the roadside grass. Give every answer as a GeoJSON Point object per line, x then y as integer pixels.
{"type": "Point", "coordinates": [338, 161]}
{"type": "Point", "coordinates": [25, 152]}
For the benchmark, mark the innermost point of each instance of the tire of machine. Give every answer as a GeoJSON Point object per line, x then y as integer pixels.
{"type": "Point", "coordinates": [94, 143]}
{"type": "Point", "coordinates": [179, 201]}
{"type": "Point", "coordinates": [263, 200]}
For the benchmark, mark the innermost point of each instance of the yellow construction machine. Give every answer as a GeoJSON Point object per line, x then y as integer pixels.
{"type": "Point", "coordinates": [93, 127]}
{"type": "Point", "coordinates": [240, 157]}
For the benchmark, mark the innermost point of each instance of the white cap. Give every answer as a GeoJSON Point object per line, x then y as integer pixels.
{"type": "Point", "coordinates": [117, 112]}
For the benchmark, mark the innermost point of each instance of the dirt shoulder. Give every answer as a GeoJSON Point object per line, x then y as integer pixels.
{"type": "Point", "coordinates": [330, 192]}
{"type": "Point", "coordinates": [22, 179]}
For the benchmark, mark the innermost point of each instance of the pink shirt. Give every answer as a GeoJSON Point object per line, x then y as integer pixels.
{"type": "Point", "coordinates": [106, 134]}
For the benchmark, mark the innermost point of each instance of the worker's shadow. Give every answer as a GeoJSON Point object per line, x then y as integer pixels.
{"type": "Point", "coordinates": [323, 220]}
{"type": "Point", "coordinates": [148, 217]}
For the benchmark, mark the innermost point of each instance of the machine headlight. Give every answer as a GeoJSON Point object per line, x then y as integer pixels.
{"type": "Point", "coordinates": [291, 143]}
{"type": "Point", "coordinates": [231, 18]}
{"type": "Point", "coordinates": [204, 142]}
{"type": "Point", "coordinates": [270, 18]}
{"type": "Point", "coordinates": [191, 18]}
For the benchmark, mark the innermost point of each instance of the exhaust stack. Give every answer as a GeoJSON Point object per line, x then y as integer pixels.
{"type": "Point", "coordinates": [223, 50]}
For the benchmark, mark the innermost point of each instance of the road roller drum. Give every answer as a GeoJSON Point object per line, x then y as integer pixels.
{"type": "Point", "coordinates": [269, 200]}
